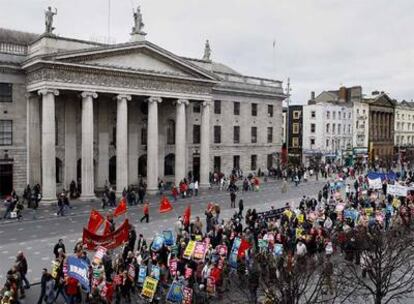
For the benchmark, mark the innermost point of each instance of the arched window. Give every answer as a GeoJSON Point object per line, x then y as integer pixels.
{"type": "Point", "coordinates": [171, 132]}
{"type": "Point", "coordinates": [169, 164]}
{"type": "Point", "coordinates": [142, 165]}
{"type": "Point", "coordinates": [59, 171]}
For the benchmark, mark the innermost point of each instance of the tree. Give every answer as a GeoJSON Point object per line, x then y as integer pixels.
{"type": "Point", "coordinates": [386, 274]}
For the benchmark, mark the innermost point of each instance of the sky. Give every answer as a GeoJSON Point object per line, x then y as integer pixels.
{"type": "Point", "coordinates": [320, 44]}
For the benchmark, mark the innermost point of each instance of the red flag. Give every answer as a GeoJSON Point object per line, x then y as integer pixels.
{"type": "Point", "coordinates": [95, 221]}
{"type": "Point", "coordinates": [108, 241]}
{"type": "Point", "coordinates": [244, 245]}
{"type": "Point", "coordinates": [165, 205]}
{"type": "Point", "coordinates": [187, 215]}
{"type": "Point", "coordinates": [121, 208]}
{"type": "Point", "coordinates": [107, 229]}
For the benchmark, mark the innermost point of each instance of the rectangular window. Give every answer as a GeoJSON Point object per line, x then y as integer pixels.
{"type": "Point", "coordinates": [236, 108]}
{"type": "Point", "coordinates": [217, 134]}
{"type": "Point", "coordinates": [328, 115]}
{"type": "Point", "coordinates": [295, 128]}
{"type": "Point", "coordinates": [217, 106]}
{"type": "Point", "coordinates": [253, 163]}
{"type": "Point", "coordinates": [339, 114]}
{"type": "Point", "coordinates": [327, 143]}
{"type": "Point", "coordinates": [269, 161]}
{"type": "Point", "coordinates": [270, 110]}
{"type": "Point", "coordinates": [295, 142]}
{"type": "Point", "coordinates": [333, 115]}
{"type": "Point", "coordinates": [236, 161]}
{"type": "Point", "coordinates": [6, 132]}
{"type": "Point", "coordinates": [6, 92]}
{"type": "Point", "coordinates": [254, 135]}
{"type": "Point", "coordinates": [296, 114]}
{"type": "Point", "coordinates": [313, 114]}
{"type": "Point", "coordinates": [236, 134]}
{"type": "Point", "coordinates": [254, 109]}
{"type": "Point", "coordinates": [333, 128]}
{"type": "Point", "coordinates": [196, 107]}
{"type": "Point", "coordinates": [196, 134]}
{"type": "Point", "coordinates": [339, 129]}
{"type": "Point", "coordinates": [217, 164]}
{"type": "Point", "coordinates": [312, 142]}
{"type": "Point", "coordinates": [269, 135]}
{"type": "Point", "coordinates": [327, 128]}
{"type": "Point", "coordinates": [349, 115]}
{"type": "Point", "coordinates": [313, 128]}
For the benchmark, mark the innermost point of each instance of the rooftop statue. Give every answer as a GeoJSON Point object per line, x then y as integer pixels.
{"type": "Point", "coordinates": [49, 19]}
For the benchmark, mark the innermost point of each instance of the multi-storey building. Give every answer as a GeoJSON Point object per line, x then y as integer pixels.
{"type": "Point", "coordinates": [114, 113]}
{"type": "Point", "coordinates": [404, 131]}
{"type": "Point", "coordinates": [294, 133]}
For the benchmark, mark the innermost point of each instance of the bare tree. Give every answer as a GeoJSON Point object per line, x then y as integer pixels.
{"type": "Point", "coordinates": [386, 273]}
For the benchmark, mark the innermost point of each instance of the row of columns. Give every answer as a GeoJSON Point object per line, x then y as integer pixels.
{"type": "Point", "coordinates": [87, 144]}
{"type": "Point", "coordinates": [382, 125]}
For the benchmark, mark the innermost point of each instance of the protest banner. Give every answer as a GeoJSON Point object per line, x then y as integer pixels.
{"type": "Point", "coordinates": [155, 272]}
{"type": "Point", "coordinates": [175, 293]}
{"type": "Point", "coordinates": [375, 183]}
{"type": "Point", "coordinates": [187, 295]}
{"type": "Point", "coordinates": [369, 211]}
{"type": "Point", "coordinates": [173, 267]}
{"type": "Point", "coordinates": [55, 268]}
{"type": "Point", "coordinates": [199, 251]}
{"type": "Point", "coordinates": [108, 241]}
{"type": "Point", "coordinates": [233, 259]}
{"type": "Point", "coordinates": [236, 245]}
{"type": "Point", "coordinates": [188, 272]}
{"type": "Point", "coordinates": [100, 252]}
{"type": "Point", "coordinates": [397, 190]}
{"type": "Point", "coordinates": [278, 249]}
{"type": "Point", "coordinates": [263, 245]}
{"type": "Point", "coordinates": [79, 270]}
{"type": "Point", "coordinates": [131, 272]}
{"type": "Point", "coordinates": [142, 274]}
{"type": "Point", "coordinates": [149, 288]}
{"type": "Point", "coordinates": [188, 252]}
{"type": "Point", "coordinates": [157, 243]}
{"type": "Point", "coordinates": [168, 237]}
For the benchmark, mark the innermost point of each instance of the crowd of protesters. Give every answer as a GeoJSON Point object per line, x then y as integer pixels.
{"type": "Point", "coordinates": [318, 227]}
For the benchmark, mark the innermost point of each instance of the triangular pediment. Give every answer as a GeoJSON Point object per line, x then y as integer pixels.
{"type": "Point", "coordinates": [142, 57]}
{"type": "Point", "coordinates": [383, 100]}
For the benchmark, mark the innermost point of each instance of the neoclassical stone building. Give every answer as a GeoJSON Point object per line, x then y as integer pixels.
{"type": "Point", "coordinates": [113, 113]}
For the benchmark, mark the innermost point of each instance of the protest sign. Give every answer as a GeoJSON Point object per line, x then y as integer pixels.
{"type": "Point", "coordinates": [173, 267]}
{"type": "Point", "coordinates": [108, 241]}
{"type": "Point", "coordinates": [233, 259]}
{"type": "Point", "coordinates": [199, 251]}
{"type": "Point", "coordinates": [100, 252]}
{"type": "Point", "coordinates": [278, 249]}
{"type": "Point", "coordinates": [188, 252]}
{"type": "Point", "coordinates": [157, 243]}
{"type": "Point", "coordinates": [263, 245]}
{"type": "Point", "coordinates": [155, 272]}
{"type": "Point", "coordinates": [79, 270]}
{"type": "Point", "coordinates": [188, 272]}
{"type": "Point", "coordinates": [131, 272]}
{"type": "Point", "coordinates": [149, 288]}
{"type": "Point", "coordinates": [168, 237]}
{"type": "Point", "coordinates": [142, 274]}
{"type": "Point", "coordinates": [375, 183]}
{"type": "Point", "coordinates": [175, 293]}
{"type": "Point", "coordinates": [187, 295]}
{"type": "Point", "coordinates": [397, 190]}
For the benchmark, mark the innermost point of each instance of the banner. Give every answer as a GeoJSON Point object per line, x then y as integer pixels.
{"type": "Point", "coordinates": [109, 241]}
{"type": "Point", "coordinates": [155, 272]}
{"type": "Point", "coordinates": [79, 270]}
{"type": "Point", "coordinates": [142, 274]}
{"type": "Point", "coordinates": [233, 260]}
{"type": "Point", "coordinates": [397, 190]}
{"type": "Point", "coordinates": [263, 245]}
{"type": "Point", "coordinates": [175, 293]}
{"type": "Point", "coordinates": [189, 250]}
{"type": "Point", "coordinates": [131, 272]}
{"type": "Point", "coordinates": [199, 251]}
{"type": "Point", "coordinates": [278, 249]}
{"type": "Point", "coordinates": [157, 243]}
{"type": "Point", "coordinates": [149, 288]}
{"type": "Point", "coordinates": [168, 237]}
{"type": "Point", "coordinates": [173, 267]}
{"type": "Point", "coordinates": [187, 295]}
{"type": "Point", "coordinates": [100, 252]}
{"type": "Point", "coordinates": [375, 183]}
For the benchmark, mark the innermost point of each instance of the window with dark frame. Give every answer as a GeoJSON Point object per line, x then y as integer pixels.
{"type": "Point", "coordinates": [236, 108]}
{"type": "Point", "coordinates": [217, 164]}
{"type": "Point", "coordinates": [171, 132]}
{"type": "Point", "coordinates": [196, 107]}
{"type": "Point", "coordinates": [217, 134]}
{"type": "Point", "coordinates": [254, 135]}
{"type": "Point", "coordinates": [269, 135]}
{"type": "Point", "coordinates": [196, 134]}
{"type": "Point", "coordinates": [6, 132]}
{"type": "Point", "coordinates": [313, 128]}
{"type": "Point", "coordinates": [270, 110]}
{"type": "Point", "coordinates": [144, 135]}
{"type": "Point", "coordinates": [236, 134]}
{"type": "Point", "coordinates": [254, 109]}
{"type": "Point", "coordinates": [217, 106]}
{"type": "Point", "coordinates": [269, 161]}
{"type": "Point", "coordinates": [6, 92]}
{"type": "Point", "coordinates": [236, 161]}
{"type": "Point", "coordinates": [253, 162]}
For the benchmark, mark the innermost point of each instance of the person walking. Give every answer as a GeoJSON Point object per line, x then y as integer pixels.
{"type": "Point", "coordinates": [233, 198]}
{"type": "Point", "coordinates": [241, 207]}
{"type": "Point", "coordinates": [21, 265]}
{"type": "Point", "coordinates": [196, 188]}
{"type": "Point", "coordinates": [146, 212]}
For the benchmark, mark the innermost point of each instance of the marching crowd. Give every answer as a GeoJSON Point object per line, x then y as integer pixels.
{"type": "Point", "coordinates": [208, 258]}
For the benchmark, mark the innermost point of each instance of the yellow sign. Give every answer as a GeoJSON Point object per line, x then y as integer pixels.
{"type": "Point", "coordinates": [299, 232]}
{"type": "Point", "coordinates": [369, 211]}
{"type": "Point", "coordinates": [189, 250]}
{"type": "Point", "coordinates": [301, 218]}
{"type": "Point", "coordinates": [149, 287]}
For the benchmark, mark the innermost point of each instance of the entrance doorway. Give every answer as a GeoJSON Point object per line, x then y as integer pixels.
{"type": "Point", "coordinates": [6, 179]}
{"type": "Point", "coordinates": [196, 167]}
{"type": "Point", "coordinates": [112, 170]}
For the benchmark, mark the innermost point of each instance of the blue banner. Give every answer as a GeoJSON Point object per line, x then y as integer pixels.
{"type": "Point", "coordinates": [233, 260]}
{"type": "Point", "coordinates": [155, 272]}
{"type": "Point", "coordinates": [79, 270]}
{"type": "Point", "coordinates": [374, 175]}
{"type": "Point", "coordinates": [142, 274]}
{"type": "Point", "coordinates": [157, 243]}
{"type": "Point", "coordinates": [168, 237]}
{"type": "Point", "coordinates": [175, 293]}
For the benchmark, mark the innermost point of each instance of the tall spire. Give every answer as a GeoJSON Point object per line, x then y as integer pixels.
{"type": "Point", "coordinates": [207, 51]}
{"type": "Point", "coordinates": [137, 33]}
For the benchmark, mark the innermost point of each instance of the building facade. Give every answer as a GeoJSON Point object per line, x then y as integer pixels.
{"type": "Point", "coordinates": [294, 134]}
{"type": "Point", "coordinates": [105, 114]}
{"type": "Point", "coordinates": [404, 132]}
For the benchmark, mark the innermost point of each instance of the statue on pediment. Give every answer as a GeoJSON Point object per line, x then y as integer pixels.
{"type": "Point", "coordinates": [138, 23]}
{"type": "Point", "coordinates": [49, 14]}
{"type": "Point", "coordinates": [207, 51]}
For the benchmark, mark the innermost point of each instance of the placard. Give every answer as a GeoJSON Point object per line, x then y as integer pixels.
{"type": "Point", "coordinates": [149, 288]}
{"type": "Point", "coordinates": [188, 252]}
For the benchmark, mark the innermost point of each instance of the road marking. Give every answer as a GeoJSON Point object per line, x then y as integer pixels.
{"type": "Point", "coordinates": [11, 257]}
{"type": "Point", "coordinates": [36, 252]}
{"type": "Point", "coordinates": [34, 236]}
{"type": "Point", "coordinates": [22, 243]}
{"type": "Point", "coordinates": [45, 258]}
{"type": "Point", "coordinates": [29, 248]}
{"type": "Point", "coordinates": [20, 229]}
{"type": "Point", "coordinates": [13, 239]}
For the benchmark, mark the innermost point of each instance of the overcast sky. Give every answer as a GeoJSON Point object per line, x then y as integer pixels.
{"type": "Point", "coordinates": [320, 44]}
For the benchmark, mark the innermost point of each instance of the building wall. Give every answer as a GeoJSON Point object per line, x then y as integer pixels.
{"type": "Point", "coordinates": [360, 125]}
{"type": "Point", "coordinates": [404, 125]}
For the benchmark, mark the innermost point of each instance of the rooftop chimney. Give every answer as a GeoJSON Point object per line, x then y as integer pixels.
{"type": "Point", "coordinates": [312, 95]}
{"type": "Point", "coordinates": [342, 94]}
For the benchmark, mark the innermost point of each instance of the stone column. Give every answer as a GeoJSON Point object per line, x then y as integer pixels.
{"type": "Point", "coordinates": [133, 131]}
{"type": "Point", "coordinates": [180, 135]}
{"type": "Point", "coordinates": [152, 145]}
{"type": "Point", "coordinates": [103, 144]}
{"type": "Point", "coordinates": [87, 168]}
{"type": "Point", "coordinates": [71, 105]}
{"type": "Point", "coordinates": [33, 140]}
{"type": "Point", "coordinates": [122, 143]}
{"type": "Point", "coordinates": [48, 145]}
{"type": "Point", "coordinates": [205, 146]}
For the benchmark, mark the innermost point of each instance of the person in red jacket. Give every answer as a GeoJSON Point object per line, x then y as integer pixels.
{"type": "Point", "coordinates": [146, 212]}
{"type": "Point", "coordinates": [72, 290]}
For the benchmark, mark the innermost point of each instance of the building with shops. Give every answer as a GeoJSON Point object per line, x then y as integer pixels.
{"type": "Point", "coordinates": [404, 131]}
{"type": "Point", "coordinates": [105, 114]}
